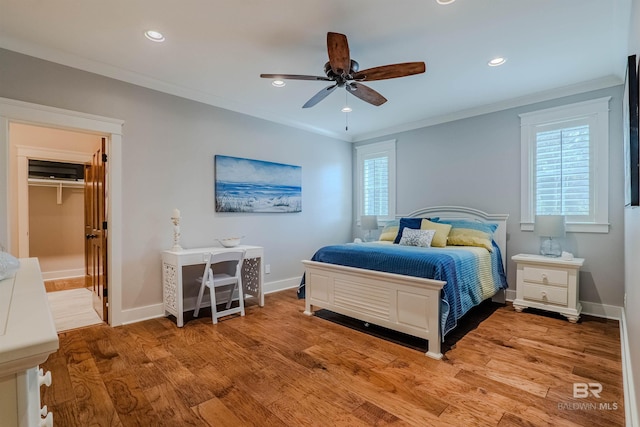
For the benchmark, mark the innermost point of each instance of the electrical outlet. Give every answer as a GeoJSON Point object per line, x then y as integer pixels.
{"type": "Point", "coordinates": [267, 268]}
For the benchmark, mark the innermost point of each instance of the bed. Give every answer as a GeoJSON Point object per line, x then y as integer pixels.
{"type": "Point", "coordinates": [414, 290]}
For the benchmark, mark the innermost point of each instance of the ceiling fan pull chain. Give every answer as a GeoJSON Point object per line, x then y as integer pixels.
{"type": "Point", "coordinates": [346, 114]}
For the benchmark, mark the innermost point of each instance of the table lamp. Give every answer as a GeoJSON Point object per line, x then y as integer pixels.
{"type": "Point", "coordinates": [548, 227]}
{"type": "Point", "coordinates": [368, 222]}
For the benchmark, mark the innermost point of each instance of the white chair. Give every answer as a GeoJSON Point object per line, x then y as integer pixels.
{"type": "Point", "coordinates": [214, 278]}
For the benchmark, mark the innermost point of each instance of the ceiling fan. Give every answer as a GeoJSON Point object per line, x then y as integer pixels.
{"type": "Point", "coordinates": [345, 72]}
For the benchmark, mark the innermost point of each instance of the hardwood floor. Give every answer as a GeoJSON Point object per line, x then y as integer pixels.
{"type": "Point", "coordinates": [277, 367]}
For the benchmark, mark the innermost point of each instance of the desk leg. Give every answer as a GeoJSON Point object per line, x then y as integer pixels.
{"type": "Point", "coordinates": [172, 291]}
{"type": "Point", "coordinates": [252, 279]}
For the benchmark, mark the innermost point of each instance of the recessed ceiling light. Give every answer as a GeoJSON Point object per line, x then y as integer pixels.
{"type": "Point", "coordinates": [154, 36]}
{"type": "Point", "coordinates": [495, 62]}
{"type": "Point", "coordinates": [445, 1]}
{"type": "Point", "coordinates": [278, 83]}
{"type": "Point", "coordinates": [346, 109]}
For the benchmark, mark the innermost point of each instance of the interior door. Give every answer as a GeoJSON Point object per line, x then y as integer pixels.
{"type": "Point", "coordinates": [96, 231]}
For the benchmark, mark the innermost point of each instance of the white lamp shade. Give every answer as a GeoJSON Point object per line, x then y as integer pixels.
{"type": "Point", "coordinates": [550, 225]}
{"type": "Point", "coordinates": [369, 222]}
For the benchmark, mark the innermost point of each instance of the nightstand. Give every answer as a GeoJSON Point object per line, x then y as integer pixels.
{"type": "Point", "coordinates": [548, 284]}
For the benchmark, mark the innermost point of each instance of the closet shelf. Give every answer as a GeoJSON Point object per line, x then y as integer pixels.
{"type": "Point", "coordinates": [58, 184]}
{"type": "Point", "coordinates": [41, 182]}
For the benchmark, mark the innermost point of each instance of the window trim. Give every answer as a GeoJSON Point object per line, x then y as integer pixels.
{"type": "Point", "coordinates": [387, 148]}
{"type": "Point", "coordinates": [596, 109]}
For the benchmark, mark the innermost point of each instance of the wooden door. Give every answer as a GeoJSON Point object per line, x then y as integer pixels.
{"type": "Point", "coordinates": [96, 231]}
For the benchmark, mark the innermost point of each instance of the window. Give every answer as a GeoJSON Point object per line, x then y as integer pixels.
{"type": "Point", "coordinates": [565, 165]}
{"type": "Point", "coordinates": [376, 188]}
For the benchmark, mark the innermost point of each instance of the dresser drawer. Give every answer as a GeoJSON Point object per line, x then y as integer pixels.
{"type": "Point", "coordinates": [545, 294]}
{"type": "Point", "coordinates": [546, 276]}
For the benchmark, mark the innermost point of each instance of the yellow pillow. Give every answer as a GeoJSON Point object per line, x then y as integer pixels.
{"type": "Point", "coordinates": [470, 237]}
{"type": "Point", "coordinates": [442, 232]}
{"type": "Point", "coordinates": [389, 233]}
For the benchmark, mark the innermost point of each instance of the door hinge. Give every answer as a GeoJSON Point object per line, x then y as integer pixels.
{"type": "Point", "coordinates": [105, 292]}
{"type": "Point", "coordinates": [104, 225]}
{"type": "Point", "coordinates": [104, 157]}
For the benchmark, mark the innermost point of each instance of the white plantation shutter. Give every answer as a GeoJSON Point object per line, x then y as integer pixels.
{"type": "Point", "coordinates": [376, 185]}
{"type": "Point", "coordinates": [563, 173]}
{"type": "Point", "coordinates": [565, 165]}
{"type": "Point", "coordinates": [376, 180]}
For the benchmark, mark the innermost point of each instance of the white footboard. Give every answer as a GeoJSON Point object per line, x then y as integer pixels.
{"type": "Point", "coordinates": [402, 303]}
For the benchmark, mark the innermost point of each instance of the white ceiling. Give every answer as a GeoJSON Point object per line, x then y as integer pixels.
{"type": "Point", "coordinates": [215, 51]}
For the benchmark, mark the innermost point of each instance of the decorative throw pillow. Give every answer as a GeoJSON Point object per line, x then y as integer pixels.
{"type": "Point", "coordinates": [390, 231]}
{"type": "Point", "coordinates": [413, 237]}
{"type": "Point", "coordinates": [442, 232]}
{"type": "Point", "coordinates": [9, 265]}
{"type": "Point", "coordinates": [471, 233]}
{"type": "Point", "coordinates": [413, 223]}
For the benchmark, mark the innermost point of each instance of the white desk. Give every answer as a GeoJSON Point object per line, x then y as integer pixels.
{"type": "Point", "coordinates": [173, 261]}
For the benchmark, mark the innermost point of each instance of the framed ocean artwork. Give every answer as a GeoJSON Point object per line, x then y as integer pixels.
{"type": "Point", "coordinates": [246, 185]}
{"type": "Point", "coordinates": [631, 135]}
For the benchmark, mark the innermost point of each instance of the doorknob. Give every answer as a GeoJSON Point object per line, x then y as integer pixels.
{"type": "Point", "coordinates": [91, 236]}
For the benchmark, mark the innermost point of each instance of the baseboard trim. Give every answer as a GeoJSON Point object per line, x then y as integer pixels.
{"type": "Point", "coordinates": [63, 274]}
{"type": "Point", "coordinates": [588, 308]}
{"type": "Point", "coordinates": [510, 294]}
{"type": "Point", "coordinates": [154, 311]}
{"type": "Point", "coordinates": [139, 314]}
{"type": "Point", "coordinates": [632, 416]}
{"type": "Point", "coordinates": [281, 285]}
{"type": "Point", "coordinates": [601, 310]}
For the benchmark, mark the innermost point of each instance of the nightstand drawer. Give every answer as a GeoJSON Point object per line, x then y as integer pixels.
{"type": "Point", "coordinates": [546, 276]}
{"type": "Point", "coordinates": [545, 294]}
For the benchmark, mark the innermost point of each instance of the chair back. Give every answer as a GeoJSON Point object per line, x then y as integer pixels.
{"type": "Point", "coordinates": [236, 256]}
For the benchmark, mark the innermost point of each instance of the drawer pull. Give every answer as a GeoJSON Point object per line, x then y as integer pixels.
{"type": "Point", "coordinates": [544, 277]}
{"type": "Point", "coordinates": [543, 294]}
{"type": "Point", "coordinates": [47, 421]}
{"type": "Point", "coordinates": [44, 379]}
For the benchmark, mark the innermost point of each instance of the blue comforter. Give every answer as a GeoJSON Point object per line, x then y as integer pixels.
{"type": "Point", "coordinates": [472, 274]}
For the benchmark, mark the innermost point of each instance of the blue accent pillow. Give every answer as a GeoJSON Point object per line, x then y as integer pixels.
{"type": "Point", "coordinates": [487, 227]}
{"type": "Point", "coordinates": [413, 223]}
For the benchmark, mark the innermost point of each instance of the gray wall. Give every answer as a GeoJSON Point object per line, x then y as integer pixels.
{"type": "Point", "coordinates": [632, 247]}
{"type": "Point", "coordinates": [168, 149]}
{"type": "Point", "coordinates": [476, 162]}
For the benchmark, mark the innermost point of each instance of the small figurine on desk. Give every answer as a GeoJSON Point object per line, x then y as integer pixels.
{"type": "Point", "coordinates": [175, 219]}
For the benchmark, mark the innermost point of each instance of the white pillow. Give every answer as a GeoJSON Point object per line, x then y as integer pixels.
{"type": "Point", "coordinates": [413, 237]}
{"type": "Point", "coordinates": [8, 265]}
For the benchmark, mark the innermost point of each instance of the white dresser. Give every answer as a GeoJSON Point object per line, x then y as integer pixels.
{"type": "Point", "coordinates": [549, 284]}
{"type": "Point", "coordinates": [27, 337]}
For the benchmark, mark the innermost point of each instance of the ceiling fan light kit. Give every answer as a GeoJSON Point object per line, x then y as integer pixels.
{"type": "Point", "coordinates": [154, 36]}
{"type": "Point", "coordinates": [496, 62]}
{"type": "Point", "coordinates": [344, 72]}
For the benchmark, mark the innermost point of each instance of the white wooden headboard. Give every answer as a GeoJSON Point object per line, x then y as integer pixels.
{"type": "Point", "coordinates": [461, 212]}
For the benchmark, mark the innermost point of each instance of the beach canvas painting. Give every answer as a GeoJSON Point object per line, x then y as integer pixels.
{"type": "Point", "coordinates": [245, 185]}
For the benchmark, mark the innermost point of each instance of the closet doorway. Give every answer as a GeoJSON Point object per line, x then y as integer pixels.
{"type": "Point", "coordinates": [54, 211]}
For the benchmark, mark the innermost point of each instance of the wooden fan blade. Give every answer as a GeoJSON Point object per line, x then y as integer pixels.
{"type": "Point", "coordinates": [293, 77]}
{"type": "Point", "coordinates": [366, 94]}
{"type": "Point", "coordinates": [390, 71]}
{"type": "Point", "coordinates": [338, 49]}
{"type": "Point", "coordinates": [320, 96]}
